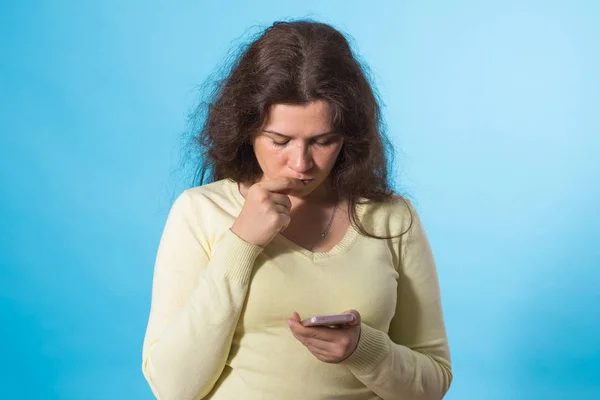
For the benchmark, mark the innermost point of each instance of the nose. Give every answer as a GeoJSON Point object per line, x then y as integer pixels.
{"type": "Point", "coordinates": [301, 160]}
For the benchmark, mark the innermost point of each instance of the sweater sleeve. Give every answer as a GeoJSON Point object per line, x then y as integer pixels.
{"type": "Point", "coordinates": [412, 362]}
{"type": "Point", "coordinates": [197, 297]}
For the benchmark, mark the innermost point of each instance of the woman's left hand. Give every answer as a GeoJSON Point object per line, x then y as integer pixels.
{"type": "Point", "coordinates": [330, 345]}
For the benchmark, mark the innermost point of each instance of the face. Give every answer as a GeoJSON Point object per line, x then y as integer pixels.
{"type": "Point", "coordinates": [297, 142]}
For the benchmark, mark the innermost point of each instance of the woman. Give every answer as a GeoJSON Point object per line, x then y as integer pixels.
{"type": "Point", "coordinates": [298, 220]}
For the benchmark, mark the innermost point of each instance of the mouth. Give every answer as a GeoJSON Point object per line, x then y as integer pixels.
{"type": "Point", "coordinates": [306, 181]}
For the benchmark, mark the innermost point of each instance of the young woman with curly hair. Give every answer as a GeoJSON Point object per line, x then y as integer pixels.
{"type": "Point", "coordinates": [293, 217]}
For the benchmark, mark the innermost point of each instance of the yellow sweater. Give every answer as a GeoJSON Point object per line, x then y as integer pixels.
{"type": "Point", "coordinates": [217, 327]}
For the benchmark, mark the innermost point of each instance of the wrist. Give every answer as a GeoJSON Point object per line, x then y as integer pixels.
{"type": "Point", "coordinates": [371, 349]}
{"type": "Point", "coordinates": [236, 255]}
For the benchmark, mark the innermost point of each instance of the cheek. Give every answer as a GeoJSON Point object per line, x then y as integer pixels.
{"type": "Point", "coordinates": [270, 159]}
{"type": "Point", "coordinates": [328, 156]}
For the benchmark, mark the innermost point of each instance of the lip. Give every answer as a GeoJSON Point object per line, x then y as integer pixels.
{"type": "Point", "coordinates": [305, 181]}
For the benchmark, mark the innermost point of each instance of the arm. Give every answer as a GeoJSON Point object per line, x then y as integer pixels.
{"type": "Point", "coordinates": [196, 302]}
{"type": "Point", "coordinates": [413, 361]}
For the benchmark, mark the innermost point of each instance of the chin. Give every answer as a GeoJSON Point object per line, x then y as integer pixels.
{"type": "Point", "coordinates": [310, 189]}
{"type": "Point", "coordinates": [304, 192]}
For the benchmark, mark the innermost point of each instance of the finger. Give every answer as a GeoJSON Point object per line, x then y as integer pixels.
{"type": "Point", "coordinates": [311, 342]}
{"type": "Point", "coordinates": [317, 333]}
{"type": "Point", "coordinates": [301, 338]}
{"type": "Point", "coordinates": [280, 185]}
{"type": "Point", "coordinates": [322, 346]}
{"type": "Point", "coordinates": [356, 320]}
{"type": "Point", "coordinates": [281, 199]}
{"type": "Point", "coordinates": [304, 333]}
{"type": "Point", "coordinates": [319, 353]}
{"type": "Point", "coordinates": [285, 221]}
{"type": "Point", "coordinates": [281, 209]}
{"type": "Point", "coordinates": [294, 321]}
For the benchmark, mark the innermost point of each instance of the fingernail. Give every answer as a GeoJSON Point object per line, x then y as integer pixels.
{"type": "Point", "coordinates": [289, 322]}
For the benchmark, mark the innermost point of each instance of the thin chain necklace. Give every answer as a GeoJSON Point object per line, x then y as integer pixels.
{"type": "Point", "coordinates": [326, 231]}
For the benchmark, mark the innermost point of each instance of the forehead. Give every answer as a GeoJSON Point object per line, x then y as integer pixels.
{"type": "Point", "coordinates": [299, 120]}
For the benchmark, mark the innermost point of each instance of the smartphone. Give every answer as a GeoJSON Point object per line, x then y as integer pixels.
{"type": "Point", "coordinates": [328, 320]}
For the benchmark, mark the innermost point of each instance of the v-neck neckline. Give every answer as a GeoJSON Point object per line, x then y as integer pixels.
{"type": "Point", "coordinates": [315, 256]}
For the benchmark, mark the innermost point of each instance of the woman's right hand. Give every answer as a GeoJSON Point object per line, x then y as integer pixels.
{"type": "Point", "coordinates": [266, 211]}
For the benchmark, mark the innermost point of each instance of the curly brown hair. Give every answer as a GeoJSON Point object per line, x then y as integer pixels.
{"type": "Point", "coordinates": [296, 62]}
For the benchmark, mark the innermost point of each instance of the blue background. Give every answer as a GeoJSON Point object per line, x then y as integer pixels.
{"type": "Point", "coordinates": [494, 108]}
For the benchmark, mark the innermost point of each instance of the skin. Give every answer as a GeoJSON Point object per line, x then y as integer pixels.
{"type": "Point", "coordinates": [330, 345]}
{"type": "Point", "coordinates": [297, 143]}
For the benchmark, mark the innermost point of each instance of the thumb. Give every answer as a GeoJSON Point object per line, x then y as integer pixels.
{"type": "Point", "coordinates": [356, 320]}
{"type": "Point", "coordinates": [295, 317]}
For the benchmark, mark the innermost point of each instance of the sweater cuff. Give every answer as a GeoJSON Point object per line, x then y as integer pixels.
{"type": "Point", "coordinates": [372, 348]}
{"type": "Point", "coordinates": [236, 257]}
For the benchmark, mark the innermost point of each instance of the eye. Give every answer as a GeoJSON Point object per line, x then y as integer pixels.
{"type": "Point", "coordinates": [325, 143]}
{"type": "Point", "coordinates": [279, 144]}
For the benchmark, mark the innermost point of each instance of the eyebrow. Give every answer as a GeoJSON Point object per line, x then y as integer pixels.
{"type": "Point", "coordinates": [287, 137]}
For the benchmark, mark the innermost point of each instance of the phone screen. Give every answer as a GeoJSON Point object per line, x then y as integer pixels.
{"type": "Point", "coordinates": [328, 320]}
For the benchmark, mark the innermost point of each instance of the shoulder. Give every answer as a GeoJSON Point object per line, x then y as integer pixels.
{"type": "Point", "coordinates": [218, 196]}
{"type": "Point", "coordinates": [205, 210]}
{"type": "Point", "coordinates": [218, 191]}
